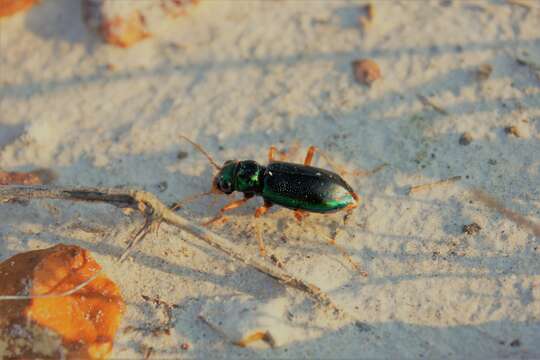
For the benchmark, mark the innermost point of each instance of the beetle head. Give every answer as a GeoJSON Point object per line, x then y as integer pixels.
{"type": "Point", "coordinates": [224, 180]}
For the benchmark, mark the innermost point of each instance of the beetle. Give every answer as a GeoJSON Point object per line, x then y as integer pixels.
{"type": "Point", "coordinates": [302, 188]}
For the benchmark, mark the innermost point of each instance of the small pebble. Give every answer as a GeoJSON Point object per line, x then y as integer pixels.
{"type": "Point", "coordinates": [465, 139]}
{"type": "Point", "coordinates": [484, 72]}
{"type": "Point", "coordinates": [512, 130]}
{"type": "Point", "coordinates": [182, 155]}
{"type": "Point", "coordinates": [366, 71]}
{"type": "Point", "coordinates": [162, 186]}
{"type": "Point", "coordinates": [184, 346]}
{"type": "Point", "coordinates": [515, 343]}
{"type": "Point", "coordinates": [471, 229]}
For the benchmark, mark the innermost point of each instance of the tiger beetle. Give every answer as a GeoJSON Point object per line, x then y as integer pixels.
{"type": "Point", "coordinates": [299, 187]}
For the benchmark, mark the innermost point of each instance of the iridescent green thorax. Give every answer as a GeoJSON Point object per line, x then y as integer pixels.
{"type": "Point", "coordinates": [248, 177]}
{"type": "Point", "coordinates": [244, 176]}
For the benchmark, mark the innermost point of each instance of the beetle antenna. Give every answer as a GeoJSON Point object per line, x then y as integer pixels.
{"type": "Point", "coordinates": [189, 199]}
{"type": "Point", "coordinates": [202, 151]}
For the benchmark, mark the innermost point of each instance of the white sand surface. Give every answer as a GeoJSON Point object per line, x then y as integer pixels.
{"type": "Point", "coordinates": [240, 76]}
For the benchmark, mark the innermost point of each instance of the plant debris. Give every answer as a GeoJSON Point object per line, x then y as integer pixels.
{"type": "Point", "coordinates": [484, 72]}
{"type": "Point", "coordinates": [512, 130]}
{"type": "Point", "coordinates": [36, 177]}
{"type": "Point", "coordinates": [10, 7]}
{"type": "Point", "coordinates": [366, 71]}
{"type": "Point", "coordinates": [466, 138]}
{"type": "Point", "coordinates": [422, 187]}
{"type": "Point", "coordinates": [471, 229]}
{"type": "Point", "coordinates": [60, 304]}
{"type": "Point", "coordinates": [366, 19]}
{"type": "Point", "coordinates": [427, 102]}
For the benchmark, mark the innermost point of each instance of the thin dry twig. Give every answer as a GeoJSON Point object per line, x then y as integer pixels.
{"type": "Point", "coordinates": [519, 219]}
{"type": "Point", "coordinates": [126, 198]}
{"type": "Point", "coordinates": [427, 102]}
{"type": "Point", "coordinates": [422, 187]}
{"type": "Point", "coordinates": [527, 4]}
{"type": "Point", "coordinates": [53, 295]}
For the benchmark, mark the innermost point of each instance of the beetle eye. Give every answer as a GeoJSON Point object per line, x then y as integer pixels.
{"type": "Point", "coordinates": [225, 186]}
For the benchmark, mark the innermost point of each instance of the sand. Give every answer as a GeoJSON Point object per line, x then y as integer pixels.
{"type": "Point", "coordinates": [240, 76]}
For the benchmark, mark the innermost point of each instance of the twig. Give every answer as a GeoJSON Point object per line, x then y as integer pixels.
{"type": "Point", "coordinates": [65, 293]}
{"type": "Point", "coordinates": [141, 233]}
{"type": "Point", "coordinates": [422, 187]}
{"type": "Point", "coordinates": [427, 102]}
{"type": "Point", "coordinates": [523, 3]}
{"type": "Point", "coordinates": [140, 199]}
{"type": "Point", "coordinates": [519, 219]}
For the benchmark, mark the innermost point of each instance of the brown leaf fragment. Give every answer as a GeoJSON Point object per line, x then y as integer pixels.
{"type": "Point", "coordinates": [484, 72]}
{"type": "Point", "coordinates": [56, 317]}
{"type": "Point", "coordinates": [36, 177]}
{"type": "Point", "coordinates": [10, 7]}
{"type": "Point", "coordinates": [512, 130]}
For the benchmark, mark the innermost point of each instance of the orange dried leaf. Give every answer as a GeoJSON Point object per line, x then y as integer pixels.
{"type": "Point", "coordinates": [10, 7]}
{"type": "Point", "coordinates": [80, 325]}
{"type": "Point", "coordinates": [36, 177]}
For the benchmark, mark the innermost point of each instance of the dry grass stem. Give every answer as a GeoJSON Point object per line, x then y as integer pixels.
{"type": "Point", "coordinates": [423, 187]}
{"type": "Point", "coordinates": [126, 198]}
{"type": "Point", "coordinates": [427, 102]}
{"type": "Point", "coordinates": [519, 219]}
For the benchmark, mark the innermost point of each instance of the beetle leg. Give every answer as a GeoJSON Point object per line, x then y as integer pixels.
{"type": "Point", "coordinates": [230, 206]}
{"type": "Point", "coordinates": [300, 215]}
{"type": "Point", "coordinates": [309, 155]}
{"type": "Point", "coordinates": [263, 209]}
{"type": "Point", "coordinates": [258, 213]}
{"type": "Point", "coordinates": [337, 168]}
{"type": "Point", "coordinates": [332, 241]}
{"type": "Point", "coordinates": [272, 153]}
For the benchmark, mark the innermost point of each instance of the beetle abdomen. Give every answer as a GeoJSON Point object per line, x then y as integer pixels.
{"type": "Point", "coordinates": [307, 188]}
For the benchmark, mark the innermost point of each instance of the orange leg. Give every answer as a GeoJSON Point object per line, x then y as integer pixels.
{"type": "Point", "coordinates": [263, 209]}
{"type": "Point", "coordinates": [309, 155]}
{"type": "Point", "coordinates": [228, 207]}
{"type": "Point", "coordinates": [282, 154]}
{"type": "Point", "coordinates": [337, 168]}
{"type": "Point", "coordinates": [272, 153]}
{"type": "Point", "coordinates": [300, 215]}
{"type": "Point", "coordinates": [258, 213]}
